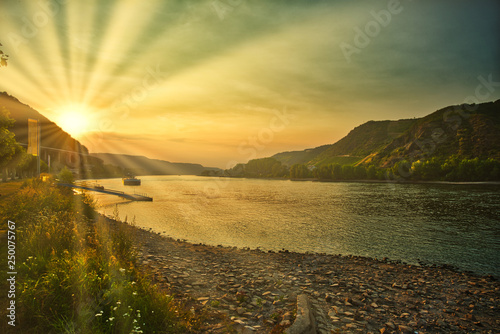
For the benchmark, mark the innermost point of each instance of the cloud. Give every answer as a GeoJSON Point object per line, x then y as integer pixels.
{"type": "Point", "coordinates": [219, 79]}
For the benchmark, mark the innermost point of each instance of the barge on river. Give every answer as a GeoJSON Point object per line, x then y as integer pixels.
{"type": "Point", "coordinates": [131, 181]}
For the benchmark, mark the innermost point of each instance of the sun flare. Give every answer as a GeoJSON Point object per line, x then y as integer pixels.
{"type": "Point", "coordinates": [74, 120]}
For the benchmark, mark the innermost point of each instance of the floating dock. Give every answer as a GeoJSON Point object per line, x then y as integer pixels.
{"type": "Point", "coordinates": [132, 197]}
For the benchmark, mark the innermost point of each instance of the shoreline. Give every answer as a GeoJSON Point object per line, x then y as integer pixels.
{"type": "Point", "coordinates": [386, 259]}
{"type": "Point", "coordinates": [364, 181]}
{"type": "Point", "coordinates": [256, 291]}
{"type": "Point", "coordinates": [322, 180]}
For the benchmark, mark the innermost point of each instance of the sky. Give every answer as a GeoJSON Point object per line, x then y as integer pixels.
{"type": "Point", "coordinates": [223, 81]}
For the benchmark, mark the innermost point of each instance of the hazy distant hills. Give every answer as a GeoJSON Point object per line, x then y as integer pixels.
{"type": "Point", "coordinates": [51, 134]}
{"type": "Point", "coordinates": [467, 131]}
{"type": "Point", "coordinates": [140, 165]}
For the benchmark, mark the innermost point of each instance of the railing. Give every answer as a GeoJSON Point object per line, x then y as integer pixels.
{"type": "Point", "coordinates": [105, 191]}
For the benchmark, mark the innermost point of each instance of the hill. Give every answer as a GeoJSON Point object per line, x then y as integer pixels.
{"type": "Point", "coordinates": [360, 142]}
{"type": "Point", "coordinates": [140, 165]}
{"type": "Point", "coordinates": [58, 148]}
{"type": "Point", "coordinates": [63, 150]}
{"type": "Point", "coordinates": [52, 136]}
{"type": "Point", "coordinates": [465, 131]}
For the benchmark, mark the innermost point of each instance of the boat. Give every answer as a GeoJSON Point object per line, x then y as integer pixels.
{"type": "Point", "coordinates": [97, 186]}
{"type": "Point", "coordinates": [131, 181]}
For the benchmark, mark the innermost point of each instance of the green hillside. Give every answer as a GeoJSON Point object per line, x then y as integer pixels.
{"type": "Point", "coordinates": [359, 143]}
{"type": "Point", "coordinates": [456, 143]}
{"type": "Point", "coordinates": [463, 131]}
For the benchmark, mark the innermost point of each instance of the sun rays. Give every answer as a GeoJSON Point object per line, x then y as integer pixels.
{"type": "Point", "coordinates": [208, 71]}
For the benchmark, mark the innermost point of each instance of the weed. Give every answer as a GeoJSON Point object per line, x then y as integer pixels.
{"type": "Point", "coordinates": [77, 273]}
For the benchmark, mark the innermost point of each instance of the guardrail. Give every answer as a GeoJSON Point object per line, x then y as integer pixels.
{"type": "Point", "coordinates": [136, 197]}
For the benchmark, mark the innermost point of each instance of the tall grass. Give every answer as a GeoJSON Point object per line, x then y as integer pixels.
{"type": "Point", "coordinates": [78, 274]}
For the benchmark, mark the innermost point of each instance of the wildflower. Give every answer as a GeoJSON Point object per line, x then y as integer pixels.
{"type": "Point", "coordinates": [122, 270]}
{"type": "Point", "coordinates": [98, 315]}
{"type": "Point", "coordinates": [114, 308]}
{"type": "Point", "coordinates": [112, 318]}
{"type": "Point", "coordinates": [118, 302]}
{"type": "Point", "coordinates": [134, 293]}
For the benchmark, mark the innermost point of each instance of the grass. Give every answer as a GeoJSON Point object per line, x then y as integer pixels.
{"type": "Point", "coordinates": [77, 274]}
{"type": "Point", "coordinates": [9, 188]}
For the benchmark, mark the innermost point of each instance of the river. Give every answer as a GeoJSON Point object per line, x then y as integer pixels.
{"type": "Point", "coordinates": [455, 224]}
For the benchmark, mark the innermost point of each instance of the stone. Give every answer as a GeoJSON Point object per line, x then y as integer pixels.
{"type": "Point", "coordinates": [390, 325]}
{"type": "Point", "coordinates": [405, 329]}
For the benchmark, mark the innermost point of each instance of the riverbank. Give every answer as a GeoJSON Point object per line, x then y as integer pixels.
{"type": "Point", "coordinates": [253, 291]}
{"type": "Point", "coordinates": [390, 181]}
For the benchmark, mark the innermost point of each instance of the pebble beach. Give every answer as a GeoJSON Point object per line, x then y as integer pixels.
{"type": "Point", "coordinates": [254, 291]}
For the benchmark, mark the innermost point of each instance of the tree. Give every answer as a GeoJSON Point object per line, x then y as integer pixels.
{"type": "Point", "coordinates": [360, 172]}
{"type": "Point", "coordinates": [8, 145]}
{"type": "Point", "coordinates": [3, 58]}
{"type": "Point", "coordinates": [337, 172]}
{"type": "Point", "coordinates": [299, 171]}
{"type": "Point", "coordinates": [371, 172]}
{"type": "Point", "coordinates": [265, 167]}
{"type": "Point", "coordinates": [348, 172]}
{"type": "Point", "coordinates": [323, 172]}
{"type": "Point", "coordinates": [65, 176]}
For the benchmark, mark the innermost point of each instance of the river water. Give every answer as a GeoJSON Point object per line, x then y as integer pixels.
{"type": "Point", "coordinates": [454, 224]}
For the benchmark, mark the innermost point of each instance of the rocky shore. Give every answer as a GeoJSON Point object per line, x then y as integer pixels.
{"type": "Point", "coordinates": [252, 291]}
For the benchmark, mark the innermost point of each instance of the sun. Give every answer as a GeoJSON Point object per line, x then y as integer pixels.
{"type": "Point", "coordinates": [75, 120]}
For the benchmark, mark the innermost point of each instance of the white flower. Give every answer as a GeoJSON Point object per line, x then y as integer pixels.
{"type": "Point", "coordinates": [122, 270]}
{"type": "Point", "coordinates": [98, 315]}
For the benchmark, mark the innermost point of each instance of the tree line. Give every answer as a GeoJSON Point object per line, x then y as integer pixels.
{"type": "Point", "coordinates": [450, 169]}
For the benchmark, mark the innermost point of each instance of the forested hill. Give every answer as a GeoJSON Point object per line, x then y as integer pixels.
{"type": "Point", "coordinates": [359, 143]}
{"type": "Point", "coordinates": [51, 134]}
{"type": "Point", "coordinates": [456, 143]}
{"type": "Point", "coordinates": [140, 165]}
{"type": "Point", "coordinates": [466, 131]}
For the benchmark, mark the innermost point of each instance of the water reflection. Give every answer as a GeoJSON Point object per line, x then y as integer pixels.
{"type": "Point", "coordinates": [453, 224]}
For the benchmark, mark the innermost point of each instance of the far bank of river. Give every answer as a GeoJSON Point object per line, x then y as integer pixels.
{"type": "Point", "coordinates": [431, 223]}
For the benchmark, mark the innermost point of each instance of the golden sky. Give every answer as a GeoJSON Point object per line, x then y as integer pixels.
{"type": "Point", "coordinates": [220, 81]}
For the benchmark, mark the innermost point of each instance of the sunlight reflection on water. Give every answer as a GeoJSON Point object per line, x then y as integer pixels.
{"type": "Point", "coordinates": [452, 224]}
